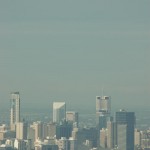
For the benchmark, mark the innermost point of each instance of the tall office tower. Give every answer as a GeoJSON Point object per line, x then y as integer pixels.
{"type": "Point", "coordinates": [111, 134]}
{"type": "Point", "coordinates": [59, 111]}
{"type": "Point", "coordinates": [38, 126]}
{"type": "Point", "coordinates": [125, 130]}
{"type": "Point", "coordinates": [103, 104]}
{"type": "Point", "coordinates": [14, 110]}
{"type": "Point", "coordinates": [63, 130]}
{"type": "Point", "coordinates": [103, 138]}
{"type": "Point", "coordinates": [21, 130]}
{"type": "Point", "coordinates": [72, 117]}
{"type": "Point", "coordinates": [45, 130]}
{"type": "Point", "coordinates": [31, 135]}
{"type": "Point", "coordinates": [51, 130]}
{"type": "Point", "coordinates": [103, 111]}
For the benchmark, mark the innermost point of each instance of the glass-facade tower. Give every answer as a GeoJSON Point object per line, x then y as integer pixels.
{"type": "Point", "coordinates": [125, 130]}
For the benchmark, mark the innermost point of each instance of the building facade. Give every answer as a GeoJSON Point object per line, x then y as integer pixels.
{"type": "Point", "coordinates": [21, 130]}
{"type": "Point", "coordinates": [72, 117]}
{"type": "Point", "coordinates": [103, 111]}
{"type": "Point", "coordinates": [103, 104]}
{"type": "Point", "coordinates": [59, 112]}
{"type": "Point", "coordinates": [14, 110]}
{"type": "Point", "coordinates": [125, 130]}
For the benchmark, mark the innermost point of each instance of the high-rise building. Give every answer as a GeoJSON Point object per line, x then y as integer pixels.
{"type": "Point", "coordinates": [103, 104]}
{"type": "Point", "coordinates": [125, 130]}
{"type": "Point", "coordinates": [59, 111]}
{"type": "Point", "coordinates": [111, 134]}
{"type": "Point", "coordinates": [21, 130]}
{"type": "Point", "coordinates": [38, 129]}
{"type": "Point", "coordinates": [64, 130]}
{"type": "Point", "coordinates": [103, 111]}
{"type": "Point", "coordinates": [31, 135]}
{"type": "Point", "coordinates": [103, 138]}
{"type": "Point", "coordinates": [102, 120]}
{"type": "Point", "coordinates": [75, 133]}
{"type": "Point", "coordinates": [51, 130]}
{"type": "Point", "coordinates": [122, 136]}
{"type": "Point", "coordinates": [14, 110]}
{"type": "Point", "coordinates": [72, 117]}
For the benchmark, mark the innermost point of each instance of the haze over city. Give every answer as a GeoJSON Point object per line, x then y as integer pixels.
{"type": "Point", "coordinates": [70, 50]}
{"type": "Point", "coordinates": [75, 75]}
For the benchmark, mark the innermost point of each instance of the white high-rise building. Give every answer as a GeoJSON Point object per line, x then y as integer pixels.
{"type": "Point", "coordinates": [111, 134]}
{"type": "Point", "coordinates": [103, 138]}
{"type": "Point", "coordinates": [103, 111]}
{"type": "Point", "coordinates": [21, 130]}
{"type": "Point", "coordinates": [103, 104]}
{"type": "Point", "coordinates": [59, 111]}
{"type": "Point", "coordinates": [38, 129]}
{"type": "Point", "coordinates": [14, 110]}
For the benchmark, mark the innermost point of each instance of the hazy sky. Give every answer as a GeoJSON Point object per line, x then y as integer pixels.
{"type": "Point", "coordinates": [68, 50]}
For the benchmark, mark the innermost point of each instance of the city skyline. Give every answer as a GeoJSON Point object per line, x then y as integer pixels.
{"type": "Point", "coordinates": [56, 57]}
{"type": "Point", "coordinates": [66, 131]}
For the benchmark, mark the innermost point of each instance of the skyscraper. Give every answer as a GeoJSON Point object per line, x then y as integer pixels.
{"type": "Point", "coordinates": [111, 134]}
{"type": "Point", "coordinates": [103, 104]}
{"type": "Point", "coordinates": [103, 111]}
{"type": "Point", "coordinates": [14, 110]}
{"type": "Point", "coordinates": [125, 130]}
{"type": "Point", "coordinates": [59, 111]}
{"type": "Point", "coordinates": [64, 130]}
{"type": "Point", "coordinates": [72, 117]}
{"type": "Point", "coordinates": [21, 130]}
{"type": "Point", "coordinates": [103, 138]}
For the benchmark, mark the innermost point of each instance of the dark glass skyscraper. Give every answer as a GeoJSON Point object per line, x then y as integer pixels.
{"type": "Point", "coordinates": [63, 130]}
{"type": "Point", "coordinates": [125, 130]}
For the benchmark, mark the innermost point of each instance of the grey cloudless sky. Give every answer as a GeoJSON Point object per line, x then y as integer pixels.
{"type": "Point", "coordinates": [70, 50]}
